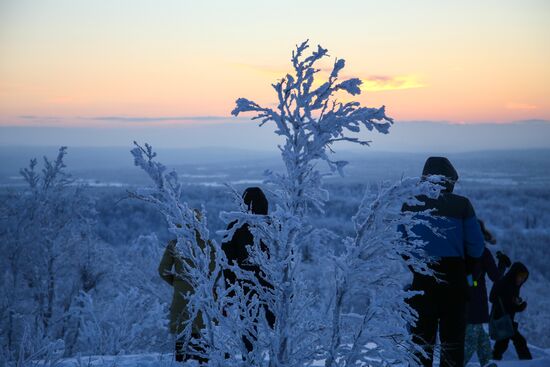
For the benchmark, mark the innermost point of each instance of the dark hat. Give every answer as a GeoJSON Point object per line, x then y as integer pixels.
{"type": "Point", "coordinates": [517, 268]}
{"type": "Point", "coordinates": [255, 200]}
{"type": "Point", "coordinates": [441, 166]}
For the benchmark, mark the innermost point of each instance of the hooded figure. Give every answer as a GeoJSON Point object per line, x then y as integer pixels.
{"type": "Point", "coordinates": [453, 216]}
{"type": "Point", "coordinates": [237, 254]}
{"type": "Point", "coordinates": [478, 307]}
{"type": "Point", "coordinates": [441, 166]}
{"type": "Point", "coordinates": [442, 306]}
{"type": "Point", "coordinates": [477, 340]}
{"type": "Point", "coordinates": [506, 300]}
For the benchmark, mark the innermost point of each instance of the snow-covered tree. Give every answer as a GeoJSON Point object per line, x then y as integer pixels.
{"type": "Point", "coordinates": [49, 256]}
{"type": "Point", "coordinates": [372, 268]}
{"type": "Point", "coordinates": [63, 290]}
{"type": "Point", "coordinates": [191, 232]}
{"type": "Point", "coordinates": [126, 312]}
{"type": "Point", "coordinates": [310, 120]}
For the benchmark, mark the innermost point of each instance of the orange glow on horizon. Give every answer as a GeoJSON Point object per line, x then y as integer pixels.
{"type": "Point", "coordinates": [442, 62]}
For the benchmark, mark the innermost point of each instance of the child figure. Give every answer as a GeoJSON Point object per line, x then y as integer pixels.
{"type": "Point", "coordinates": [505, 292]}
{"type": "Point", "coordinates": [477, 340]}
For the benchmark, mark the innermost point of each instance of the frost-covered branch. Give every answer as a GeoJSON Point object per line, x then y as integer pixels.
{"type": "Point", "coordinates": [225, 312]}
{"type": "Point", "coordinates": [370, 265]}
{"type": "Point", "coordinates": [310, 120]}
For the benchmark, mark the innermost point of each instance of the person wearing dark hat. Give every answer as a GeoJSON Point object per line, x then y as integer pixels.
{"type": "Point", "coordinates": [506, 300]}
{"type": "Point", "coordinates": [477, 340]}
{"type": "Point", "coordinates": [441, 305]}
{"type": "Point", "coordinates": [237, 253]}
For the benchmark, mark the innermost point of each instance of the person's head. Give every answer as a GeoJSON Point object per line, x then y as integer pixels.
{"type": "Point", "coordinates": [487, 236]}
{"type": "Point", "coordinates": [521, 278]}
{"type": "Point", "coordinates": [254, 198]}
{"type": "Point", "coordinates": [519, 273]}
{"type": "Point", "coordinates": [441, 166]}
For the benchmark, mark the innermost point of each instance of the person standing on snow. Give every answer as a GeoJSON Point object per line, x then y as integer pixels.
{"type": "Point", "coordinates": [172, 270]}
{"type": "Point", "coordinates": [442, 304]}
{"type": "Point", "coordinates": [237, 254]}
{"type": "Point", "coordinates": [477, 340]}
{"type": "Point", "coordinates": [506, 300]}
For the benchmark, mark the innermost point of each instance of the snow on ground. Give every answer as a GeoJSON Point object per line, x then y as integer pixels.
{"type": "Point", "coordinates": [541, 358]}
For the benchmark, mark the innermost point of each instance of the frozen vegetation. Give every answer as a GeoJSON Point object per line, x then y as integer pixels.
{"type": "Point", "coordinates": [79, 281]}
{"type": "Point", "coordinates": [131, 236]}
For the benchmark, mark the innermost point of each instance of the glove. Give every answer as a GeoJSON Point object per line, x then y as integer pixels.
{"type": "Point", "coordinates": [522, 306]}
{"type": "Point", "coordinates": [503, 259]}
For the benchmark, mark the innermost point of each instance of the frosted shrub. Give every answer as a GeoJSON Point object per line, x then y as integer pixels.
{"type": "Point", "coordinates": [307, 327]}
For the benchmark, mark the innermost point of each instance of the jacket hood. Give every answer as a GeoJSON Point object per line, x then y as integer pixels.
{"type": "Point", "coordinates": [255, 200]}
{"type": "Point", "coordinates": [517, 268]}
{"type": "Point", "coordinates": [443, 167]}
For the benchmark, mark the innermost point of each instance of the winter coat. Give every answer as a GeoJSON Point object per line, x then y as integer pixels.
{"type": "Point", "coordinates": [235, 249]}
{"type": "Point", "coordinates": [478, 307]}
{"type": "Point", "coordinates": [171, 271]}
{"type": "Point", "coordinates": [459, 236]}
{"type": "Point", "coordinates": [453, 215]}
{"type": "Point", "coordinates": [507, 291]}
{"type": "Point", "coordinates": [237, 254]}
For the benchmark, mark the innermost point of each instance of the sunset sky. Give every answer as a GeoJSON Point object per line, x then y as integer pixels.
{"type": "Point", "coordinates": [113, 62]}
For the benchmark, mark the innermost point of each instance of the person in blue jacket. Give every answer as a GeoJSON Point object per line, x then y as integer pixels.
{"type": "Point", "coordinates": [477, 340]}
{"type": "Point", "coordinates": [442, 304]}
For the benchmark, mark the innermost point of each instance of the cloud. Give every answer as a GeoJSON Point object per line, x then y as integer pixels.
{"type": "Point", "coordinates": [157, 118]}
{"type": "Point", "coordinates": [131, 118]}
{"type": "Point", "coordinates": [374, 83]}
{"type": "Point", "coordinates": [126, 121]}
{"type": "Point", "coordinates": [521, 106]}
{"type": "Point", "coordinates": [383, 83]}
{"type": "Point", "coordinates": [40, 118]}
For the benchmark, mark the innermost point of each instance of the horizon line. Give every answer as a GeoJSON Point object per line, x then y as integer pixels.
{"type": "Point", "coordinates": [160, 121]}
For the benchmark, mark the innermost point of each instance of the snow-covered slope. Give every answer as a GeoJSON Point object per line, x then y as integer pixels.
{"type": "Point", "coordinates": [541, 358]}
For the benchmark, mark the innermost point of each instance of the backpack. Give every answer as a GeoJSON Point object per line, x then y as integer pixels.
{"type": "Point", "coordinates": [503, 327]}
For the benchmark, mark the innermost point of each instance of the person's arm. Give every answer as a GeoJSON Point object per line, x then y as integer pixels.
{"type": "Point", "coordinates": [490, 266]}
{"type": "Point", "coordinates": [495, 291]}
{"type": "Point", "coordinates": [166, 263]}
{"type": "Point", "coordinates": [475, 268]}
{"type": "Point", "coordinates": [503, 262]}
{"type": "Point", "coordinates": [474, 243]}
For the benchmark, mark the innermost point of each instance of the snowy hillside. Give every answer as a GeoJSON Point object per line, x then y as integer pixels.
{"type": "Point", "coordinates": [313, 272]}
{"type": "Point", "coordinates": [541, 359]}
